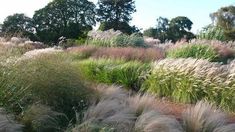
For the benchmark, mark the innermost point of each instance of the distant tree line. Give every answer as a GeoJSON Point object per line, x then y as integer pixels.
{"type": "Point", "coordinates": [71, 19]}
{"type": "Point", "coordinates": [222, 27]}
{"type": "Point", "coordinates": [174, 29]}
{"type": "Point", "coordinates": [74, 18]}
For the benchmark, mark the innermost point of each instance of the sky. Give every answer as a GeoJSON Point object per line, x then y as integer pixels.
{"type": "Point", "coordinates": [147, 10]}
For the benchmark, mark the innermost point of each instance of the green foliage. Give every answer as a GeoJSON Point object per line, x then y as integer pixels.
{"type": "Point", "coordinates": [114, 71]}
{"type": "Point", "coordinates": [212, 33]}
{"type": "Point", "coordinates": [124, 27]}
{"type": "Point", "coordinates": [175, 29]}
{"type": "Point", "coordinates": [67, 18]}
{"type": "Point", "coordinates": [224, 18]}
{"type": "Point", "coordinates": [116, 14]}
{"type": "Point", "coordinates": [18, 24]}
{"type": "Point", "coordinates": [174, 84]}
{"type": "Point", "coordinates": [151, 32]}
{"type": "Point", "coordinates": [162, 27]}
{"type": "Point", "coordinates": [179, 28]}
{"type": "Point", "coordinates": [199, 51]}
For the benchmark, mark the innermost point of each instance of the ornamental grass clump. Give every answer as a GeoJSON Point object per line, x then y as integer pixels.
{"type": "Point", "coordinates": [110, 71]}
{"type": "Point", "coordinates": [198, 51]}
{"type": "Point", "coordinates": [53, 81]}
{"type": "Point", "coordinates": [190, 80]}
{"type": "Point", "coordinates": [7, 123]}
{"type": "Point", "coordinates": [117, 111]}
{"type": "Point", "coordinates": [111, 38]}
{"type": "Point", "coordinates": [48, 79]}
{"type": "Point", "coordinates": [203, 117]}
{"type": "Point", "coordinates": [41, 118]}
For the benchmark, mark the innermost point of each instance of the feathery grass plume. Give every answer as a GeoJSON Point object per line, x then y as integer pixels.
{"type": "Point", "coordinates": [152, 121]}
{"type": "Point", "coordinates": [190, 80]}
{"type": "Point", "coordinates": [111, 113]}
{"type": "Point", "coordinates": [111, 92]}
{"type": "Point", "coordinates": [7, 124]}
{"type": "Point", "coordinates": [226, 128]}
{"type": "Point", "coordinates": [203, 117]}
{"type": "Point", "coordinates": [139, 103]}
{"type": "Point", "coordinates": [41, 118]}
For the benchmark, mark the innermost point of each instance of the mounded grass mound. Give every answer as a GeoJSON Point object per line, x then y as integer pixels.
{"type": "Point", "coordinates": [48, 79]}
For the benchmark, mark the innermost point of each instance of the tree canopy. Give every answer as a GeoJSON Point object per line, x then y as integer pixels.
{"type": "Point", "coordinates": [225, 19]}
{"type": "Point", "coordinates": [116, 14]}
{"type": "Point", "coordinates": [69, 18]}
{"type": "Point", "coordinates": [174, 29]}
{"type": "Point", "coordinates": [18, 24]}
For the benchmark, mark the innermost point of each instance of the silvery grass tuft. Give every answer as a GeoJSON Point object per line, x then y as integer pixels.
{"type": "Point", "coordinates": [203, 117]}
{"type": "Point", "coordinates": [152, 121]}
{"type": "Point", "coordinates": [41, 118]}
{"type": "Point", "coordinates": [122, 112]}
{"type": "Point", "coordinates": [7, 124]}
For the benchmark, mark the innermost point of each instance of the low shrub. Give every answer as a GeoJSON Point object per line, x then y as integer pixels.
{"type": "Point", "coordinates": [114, 71]}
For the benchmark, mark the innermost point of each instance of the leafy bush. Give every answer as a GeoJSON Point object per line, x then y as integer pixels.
{"type": "Point", "coordinates": [114, 71]}
{"type": "Point", "coordinates": [199, 51]}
